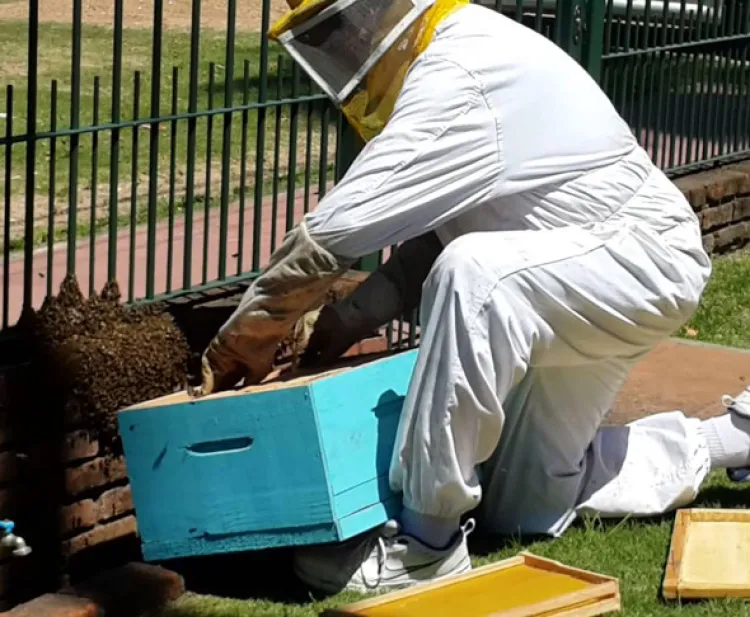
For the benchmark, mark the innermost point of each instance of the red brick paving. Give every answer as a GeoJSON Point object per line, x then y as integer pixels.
{"type": "Point", "coordinates": [659, 146]}
{"type": "Point", "coordinates": [39, 266]}
{"type": "Point", "coordinates": [677, 375]}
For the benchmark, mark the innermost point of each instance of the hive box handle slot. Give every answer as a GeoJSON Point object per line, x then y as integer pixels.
{"type": "Point", "coordinates": [221, 446]}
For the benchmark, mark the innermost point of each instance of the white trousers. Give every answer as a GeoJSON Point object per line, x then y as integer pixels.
{"type": "Point", "coordinates": [527, 336]}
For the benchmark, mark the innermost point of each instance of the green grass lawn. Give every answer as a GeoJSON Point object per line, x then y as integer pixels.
{"type": "Point", "coordinates": [723, 317]}
{"type": "Point", "coordinates": [55, 56]}
{"type": "Point", "coordinates": [290, 138]}
{"type": "Point", "coordinates": [632, 550]}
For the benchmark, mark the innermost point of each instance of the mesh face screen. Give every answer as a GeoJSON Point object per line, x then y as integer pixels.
{"type": "Point", "coordinates": [337, 47]}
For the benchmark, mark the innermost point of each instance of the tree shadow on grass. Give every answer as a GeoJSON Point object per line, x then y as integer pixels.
{"type": "Point", "coordinates": [262, 575]}
{"type": "Point", "coordinates": [269, 575]}
{"type": "Point", "coordinates": [715, 496]}
{"type": "Point", "coordinates": [730, 497]}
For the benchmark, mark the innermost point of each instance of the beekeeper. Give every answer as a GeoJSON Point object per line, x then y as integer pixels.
{"type": "Point", "coordinates": [547, 255]}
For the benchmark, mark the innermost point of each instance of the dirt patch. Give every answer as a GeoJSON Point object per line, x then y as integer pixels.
{"type": "Point", "coordinates": [140, 13]}
{"type": "Point", "coordinates": [682, 376]}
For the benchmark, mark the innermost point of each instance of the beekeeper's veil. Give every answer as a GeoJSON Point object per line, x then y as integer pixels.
{"type": "Point", "coordinates": [358, 51]}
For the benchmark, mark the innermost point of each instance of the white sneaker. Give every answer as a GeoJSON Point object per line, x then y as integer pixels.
{"type": "Point", "coordinates": [381, 560]}
{"type": "Point", "coordinates": [740, 405]}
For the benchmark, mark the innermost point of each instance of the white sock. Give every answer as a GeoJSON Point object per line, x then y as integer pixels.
{"type": "Point", "coordinates": [728, 439]}
{"type": "Point", "coordinates": [432, 531]}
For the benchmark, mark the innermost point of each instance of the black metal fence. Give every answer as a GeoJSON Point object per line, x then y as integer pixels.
{"type": "Point", "coordinates": [171, 154]}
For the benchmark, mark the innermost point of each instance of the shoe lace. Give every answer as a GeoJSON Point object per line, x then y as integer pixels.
{"type": "Point", "coordinates": [385, 540]}
{"type": "Point", "coordinates": [731, 401]}
{"type": "Point", "coordinates": [381, 543]}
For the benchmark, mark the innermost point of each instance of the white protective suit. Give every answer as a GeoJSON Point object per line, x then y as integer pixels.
{"type": "Point", "coordinates": [567, 256]}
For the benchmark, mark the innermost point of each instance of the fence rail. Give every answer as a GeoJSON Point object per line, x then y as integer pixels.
{"type": "Point", "coordinates": [172, 154]}
{"type": "Point", "coordinates": [680, 79]}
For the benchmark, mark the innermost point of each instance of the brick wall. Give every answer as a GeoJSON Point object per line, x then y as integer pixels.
{"type": "Point", "coordinates": [721, 198]}
{"type": "Point", "coordinates": [65, 497]}
{"type": "Point", "coordinates": [73, 505]}
{"type": "Point", "coordinates": [70, 501]}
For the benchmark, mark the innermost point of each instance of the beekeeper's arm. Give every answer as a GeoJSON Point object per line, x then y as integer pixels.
{"type": "Point", "coordinates": [436, 158]}
{"type": "Point", "coordinates": [394, 289]}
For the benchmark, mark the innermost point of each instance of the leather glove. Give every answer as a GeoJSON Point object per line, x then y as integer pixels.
{"type": "Point", "coordinates": [391, 291]}
{"type": "Point", "coordinates": [295, 281]}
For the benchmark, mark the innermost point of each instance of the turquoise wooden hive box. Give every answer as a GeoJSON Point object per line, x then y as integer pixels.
{"type": "Point", "coordinates": [299, 462]}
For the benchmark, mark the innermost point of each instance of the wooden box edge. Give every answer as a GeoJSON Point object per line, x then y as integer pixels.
{"type": "Point", "coordinates": [604, 591]}
{"type": "Point", "coordinates": [672, 587]}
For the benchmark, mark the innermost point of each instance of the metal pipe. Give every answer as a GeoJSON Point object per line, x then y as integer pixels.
{"type": "Point", "coordinates": [619, 7]}
{"type": "Point", "coordinates": [11, 542]}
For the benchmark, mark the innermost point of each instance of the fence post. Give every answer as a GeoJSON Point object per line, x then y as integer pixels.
{"type": "Point", "coordinates": [571, 14]}
{"type": "Point", "coordinates": [593, 38]}
{"type": "Point", "coordinates": [350, 145]}
{"type": "Point", "coordinates": [581, 32]}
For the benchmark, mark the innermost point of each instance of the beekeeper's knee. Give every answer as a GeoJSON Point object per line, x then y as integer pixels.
{"type": "Point", "coordinates": [459, 277]}
{"type": "Point", "coordinates": [457, 264]}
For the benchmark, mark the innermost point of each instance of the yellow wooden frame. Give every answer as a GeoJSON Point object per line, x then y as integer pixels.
{"type": "Point", "coordinates": [675, 586]}
{"type": "Point", "coordinates": [602, 596]}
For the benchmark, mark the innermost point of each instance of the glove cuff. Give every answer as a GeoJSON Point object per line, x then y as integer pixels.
{"type": "Point", "coordinates": [295, 281]}
{"type": "Point", "coordinates": [393, 289]}
{"type": "Point", "coordinates": [375, 302]}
